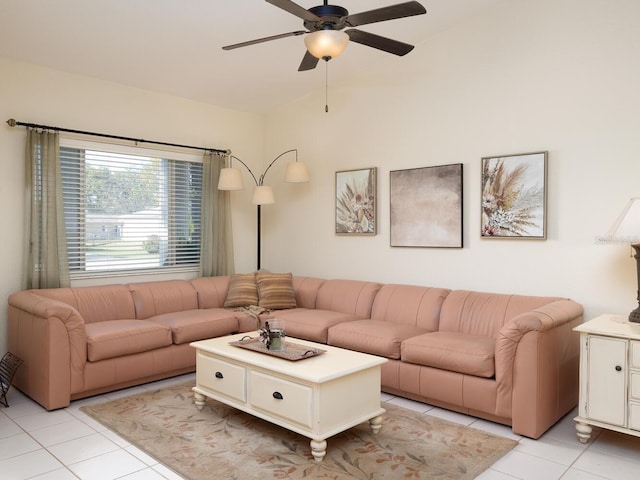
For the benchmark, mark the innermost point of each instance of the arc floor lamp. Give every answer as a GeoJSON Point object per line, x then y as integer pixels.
{"type": "Point", "coordinates": [231, 179]}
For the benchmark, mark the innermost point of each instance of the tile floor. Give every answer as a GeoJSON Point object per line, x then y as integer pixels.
{"type": "Point", "coordinates": [67, 445]}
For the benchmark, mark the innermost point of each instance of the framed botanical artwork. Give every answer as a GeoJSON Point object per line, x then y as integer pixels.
{"type": "Point", "coordinates": [426, 207]}
{"type": "Point", "coordinates": [356, 202]}
{"type": "Point", "coordinates": [514, 196]}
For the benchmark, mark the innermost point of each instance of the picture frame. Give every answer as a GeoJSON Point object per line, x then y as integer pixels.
{"type": "Point", "coordinates": [426, 207]}
{"type": "Point", "coordinates": [356, 202]}
{"type": "Point", "coordinates": [514, 196]}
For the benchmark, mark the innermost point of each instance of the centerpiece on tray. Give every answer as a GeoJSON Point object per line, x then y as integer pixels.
{"type": "Point", "coordinates": [271, 340]}
{"type": "Point", "coordinates": [273, 335]}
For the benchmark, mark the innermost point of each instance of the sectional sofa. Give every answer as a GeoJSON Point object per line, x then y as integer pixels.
{"type": "Point", "coordinates": [511, 359]}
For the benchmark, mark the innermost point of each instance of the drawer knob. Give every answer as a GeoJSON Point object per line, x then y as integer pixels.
{"type": "Point", "coordinates": [277, 395]}
{"type": "Point", "coordinates": [219, 375]}
{"type": "Point", "coordinates": [618, 368]}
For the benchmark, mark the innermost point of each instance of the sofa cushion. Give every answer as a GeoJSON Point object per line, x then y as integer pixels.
{"type": "Point", "coordinates": [275, 290]}
{"type": "Point", "coordinates": [96, 304]}
{"type": "Point", "coordinates": [410, 305]}
{"type": "Point", "coordinates": [306, 289]}
{"type": "Point", "coordinates": [484, 314]}
{"type": "Point", "coordinates": [211, 291]}
{"type": "Point", "coordinates": [457, 352]}
{"type": "Point", "coordinates": [115, 338]}
{"type": "Point", "coordinates": [347, 296]}
{"type": "Point", "coordinates": [377, 337]}
{"type": "Point", "coordinates": [192, 325]}
{"type": "Point", "coordinates": [156, 298]}
{"type": "Point", "coordinates": [243, 290]}
{"type": "Point", "coordinates": [310, 324]}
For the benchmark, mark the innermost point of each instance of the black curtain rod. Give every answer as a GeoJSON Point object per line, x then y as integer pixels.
{"type": "Point", "coordinates": [13, 123]}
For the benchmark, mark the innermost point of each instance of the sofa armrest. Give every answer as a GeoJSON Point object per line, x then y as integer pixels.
{"type": "Point", "coordinates": [50, 337]}
{"type": "Point", "coordinates": [537, 358]}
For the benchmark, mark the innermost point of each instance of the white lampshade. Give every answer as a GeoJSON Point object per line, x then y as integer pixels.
{"type": "Point", "coordinates": [230, 179]}
{"type": "Point", "coordinates": [297, 172]}
{"type": "Point", "coordinates": [262, 195]}
{"type": "Point", "coordinates": [326, 43]}
{"type": "Point", "coordinates": [626, 228]}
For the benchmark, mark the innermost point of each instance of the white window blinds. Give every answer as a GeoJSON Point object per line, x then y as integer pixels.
{"type": "Point", "coordinates": [129, 208]}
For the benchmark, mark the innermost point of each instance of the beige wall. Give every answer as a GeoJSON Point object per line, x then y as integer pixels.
{"type": "Point", "coordinates": [562, 76]}
{"type": "Point", "coordinates": [556, 75]}
{"type": "Point", "coordinates": [39, 95]}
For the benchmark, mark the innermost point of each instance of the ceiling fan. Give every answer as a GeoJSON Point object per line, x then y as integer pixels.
{"type": "Point", "coordinates": [324, 24]}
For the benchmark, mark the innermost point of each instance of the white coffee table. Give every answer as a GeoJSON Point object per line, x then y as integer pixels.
{"type": "Point", "coordinates": [317, 397]}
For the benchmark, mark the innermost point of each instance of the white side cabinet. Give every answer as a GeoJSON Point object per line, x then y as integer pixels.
{"type": "Point", "coordinates": [609, 376]}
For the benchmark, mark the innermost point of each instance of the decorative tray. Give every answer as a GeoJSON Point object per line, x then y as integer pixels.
{"type": "Point", "coordinates": [292, 351]}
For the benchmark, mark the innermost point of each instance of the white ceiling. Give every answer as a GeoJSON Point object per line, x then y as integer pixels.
{"type": "Point", "coordinates": [174, 46]}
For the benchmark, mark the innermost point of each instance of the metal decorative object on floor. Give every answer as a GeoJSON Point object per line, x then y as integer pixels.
{"type": "Point", "coordinates": [8, 367]}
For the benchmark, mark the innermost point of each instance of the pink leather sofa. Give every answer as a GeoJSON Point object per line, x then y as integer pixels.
{"type": "Point", "coordinates": [506, 358]}
{"type": "Point", "coordinates": [78, 342]}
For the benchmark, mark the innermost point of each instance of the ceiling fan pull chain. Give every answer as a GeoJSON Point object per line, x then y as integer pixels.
{"type": "Point", "coordinates": [326, 86]}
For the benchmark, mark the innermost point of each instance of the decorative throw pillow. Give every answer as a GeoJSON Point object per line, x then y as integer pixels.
{"type": "Point", "coordinates": [275, 290]}
{"type": "Point", "coordinates": [242, 290]}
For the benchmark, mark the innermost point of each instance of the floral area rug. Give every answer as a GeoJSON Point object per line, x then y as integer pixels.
{"type": "Point", "coordinates": [224, 443]}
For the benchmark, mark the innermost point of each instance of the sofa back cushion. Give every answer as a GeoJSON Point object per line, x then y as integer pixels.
{"type": "Point", "coordinates": [95, 304]}
{"type": "Point", "coordinates": [409, 305]}
{"type": "Point", "coordinates": [211, 291]}
{"type": "Point", "coordinates": [347, 296]}
{"type": "Point", "coordinates": [306, 290]}
{"type": "Point", "coordinates": [479, 313]}
{"type": "Point", "coordinates": [156, 298]}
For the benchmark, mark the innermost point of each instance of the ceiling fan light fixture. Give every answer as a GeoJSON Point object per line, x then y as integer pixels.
{"type": "Point", "coordinates": [326, 44]}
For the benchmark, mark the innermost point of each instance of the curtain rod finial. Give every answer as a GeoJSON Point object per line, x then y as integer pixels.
{"type": "Point", "coordinates": [11, 122]}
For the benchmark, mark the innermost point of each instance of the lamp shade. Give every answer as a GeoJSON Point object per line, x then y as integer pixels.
{"type": "Point", "coordinates": [262, 195]}
{"type": "Point", "coordinates": [230, 179]}
{"type": "Point", "coordinates": [326, 43]}
{"type": "Point", "coordinates": [297, 172]}
{"type": "Point", "coordinates": [626, 228]}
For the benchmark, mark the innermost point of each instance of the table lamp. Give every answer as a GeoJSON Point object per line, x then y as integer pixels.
{"type": "Point", "coordinates": [626, 229]}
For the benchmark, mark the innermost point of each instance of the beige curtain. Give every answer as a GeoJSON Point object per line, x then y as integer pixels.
{"type": "Point", "coordinates": [46, 263]}
{"type": "Point", "coordinates": [216, 244]}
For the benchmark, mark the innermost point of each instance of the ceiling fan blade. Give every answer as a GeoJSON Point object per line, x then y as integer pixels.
{"type": "Point", "coordinates": [401, 10]}
{"type": "Point", "coordinates": [265, 39]}
{"type": "Point", "coordinates": [381, 43]}
{"type": "Point", "coordinates": [309, 62]}
{"type": "Point", "coordinates": [295, 9]}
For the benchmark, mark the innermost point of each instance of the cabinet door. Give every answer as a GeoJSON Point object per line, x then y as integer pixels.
{"type": "Point", "coordinates": [607, 370]}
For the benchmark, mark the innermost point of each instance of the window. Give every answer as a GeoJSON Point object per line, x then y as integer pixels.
{"type": "Point", "coordinates": [129, 208]}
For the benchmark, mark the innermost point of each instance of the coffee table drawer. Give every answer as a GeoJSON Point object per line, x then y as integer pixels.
{"type": "Point", "coordinates": [288, 400]}
{"type": "Point", "coordinates": [222, 377]}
